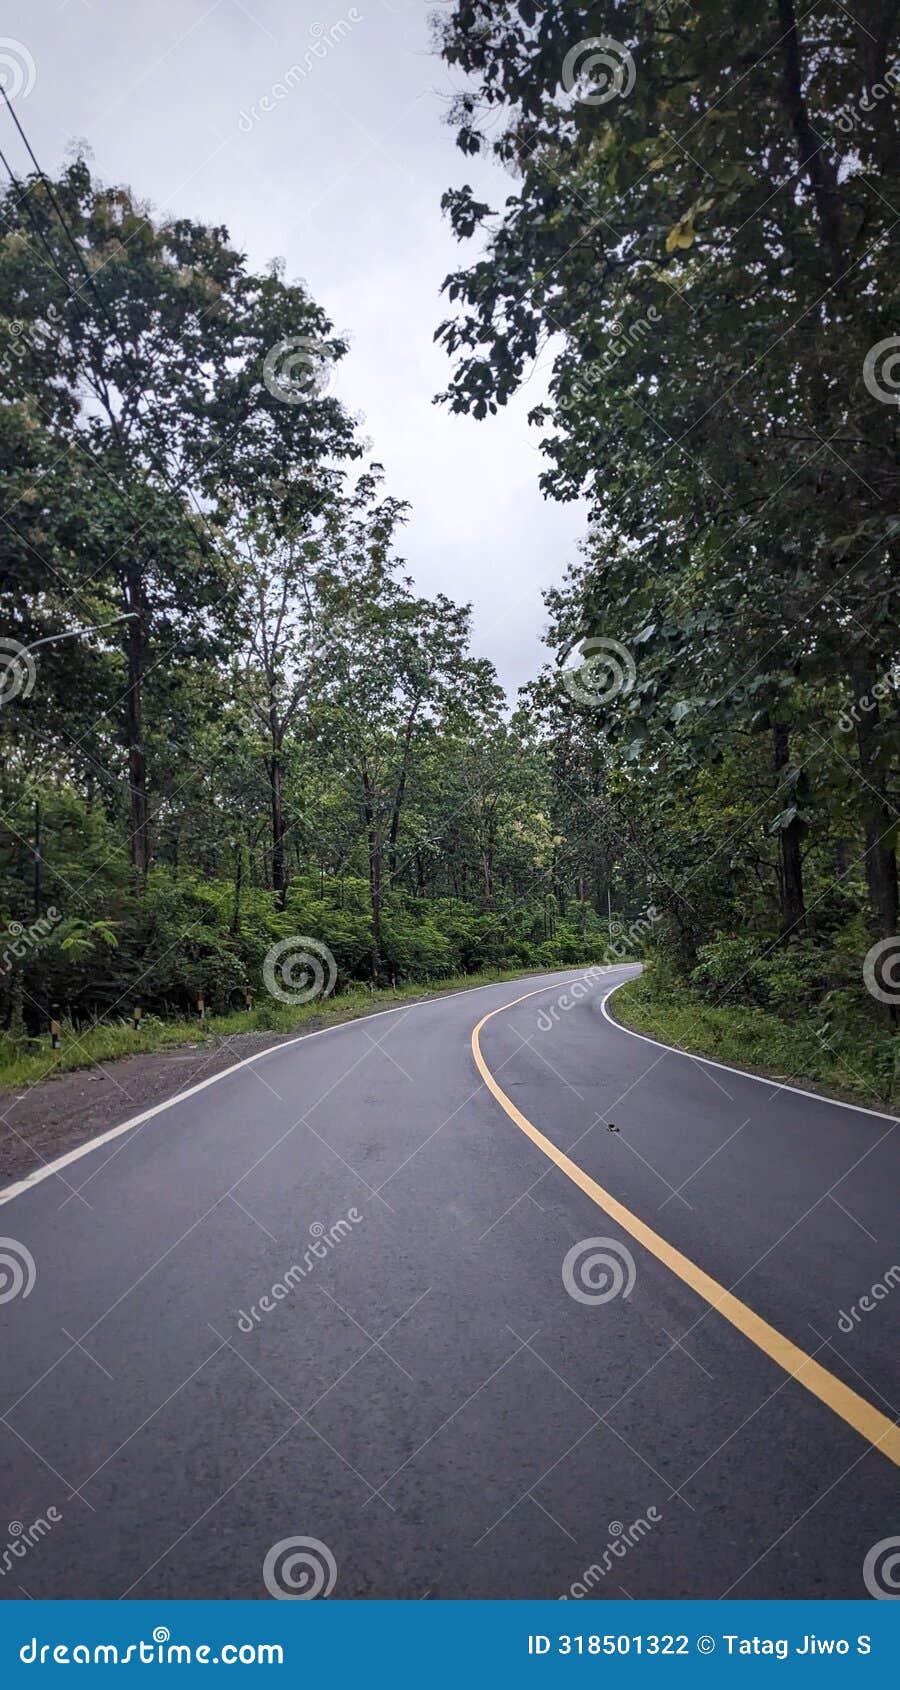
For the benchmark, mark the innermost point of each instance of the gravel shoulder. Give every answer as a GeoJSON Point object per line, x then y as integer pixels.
{"type": "Point", "coordinates": [44, 1120]}
{"type": "Point", "coordinates": [66, 1110]}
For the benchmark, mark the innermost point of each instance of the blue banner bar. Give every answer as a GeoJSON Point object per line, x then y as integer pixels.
{"type": "Point", "coordinates": [351, 1643]}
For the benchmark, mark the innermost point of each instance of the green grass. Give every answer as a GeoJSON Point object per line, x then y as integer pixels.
{"type": "Point", "coordinates": [32, 1059]}
{"type": "Point", "coordinates": [859, 1064]}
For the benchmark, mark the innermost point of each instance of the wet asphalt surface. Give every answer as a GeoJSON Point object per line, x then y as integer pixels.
{"type": "Point", "coordinates": [422, 1396]}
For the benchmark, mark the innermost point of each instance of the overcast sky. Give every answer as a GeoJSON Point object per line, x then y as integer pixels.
{"type": "Point", "coordinates": [342, 179]}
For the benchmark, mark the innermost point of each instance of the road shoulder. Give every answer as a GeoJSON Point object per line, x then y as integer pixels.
{"type": "Point", "coordinates": [693, 1031]}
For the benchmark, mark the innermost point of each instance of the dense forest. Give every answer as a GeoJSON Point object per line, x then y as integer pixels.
{"type": "Point", "coordinates": [244, 722]}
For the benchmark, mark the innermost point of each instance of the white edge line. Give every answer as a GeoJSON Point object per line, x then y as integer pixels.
{"type": "Point", "coordinates": [745, 1074]}
{"type": "Point", "coordinates": [49, 1168]}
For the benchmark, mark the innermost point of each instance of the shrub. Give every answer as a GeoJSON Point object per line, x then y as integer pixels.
{"type": "Point", "coordinates": [728, 971]}
{"type": "Point", "coordinates": [787, 979]}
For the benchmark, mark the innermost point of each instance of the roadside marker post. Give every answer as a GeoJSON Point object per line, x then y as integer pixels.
{"type": "Point", "coordinates": [54, 1028]}
{"type": "Point", "coordinates": [201, 1006]}
{"type": "Point", "coordinates": [136, 1015]}
{"type": "Point", "coordinates": [248, 998]}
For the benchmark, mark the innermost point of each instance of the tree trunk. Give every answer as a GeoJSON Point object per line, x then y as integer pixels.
{"type": "Point", "coordinates": [401, 791]}
{"type": "Point", "coordinates": [137, 760]}
{"type": "Point", "coordinates": [395, 824]}
{"type": "Point", "coordinates": [375, 850]}
{"type": "Point", "coordinates": [238, 881]}
{"type": "Point", "coordinates": [881, 856]}
{"type": "Point", "coordinates": [600, 879]}
{"type": "Point", "coordinates": [793, 908]}
{"type": "Point", "coordinates": [487, 874]}
{"type": "Point", "coordinates": [37, 857]}
{"type": "Point", "coordinates": [276, 794]}
{"type": "Point", "coordinates": [375, 866]}
{"type": "Point", "coordinates": [815, 161]}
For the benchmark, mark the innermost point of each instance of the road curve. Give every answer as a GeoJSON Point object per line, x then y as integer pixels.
{"type": "Point", "coordinates": [337, 1295]}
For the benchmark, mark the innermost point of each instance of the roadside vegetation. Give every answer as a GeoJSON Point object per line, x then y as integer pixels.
{"type": "Point", "coordinates": [801, 1049]}
{"type": "Point", "coordinates": [28, 1061]}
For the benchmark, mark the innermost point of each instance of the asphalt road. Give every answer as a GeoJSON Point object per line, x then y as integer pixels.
{"type": "Point", "coordinates": [423, 1395]}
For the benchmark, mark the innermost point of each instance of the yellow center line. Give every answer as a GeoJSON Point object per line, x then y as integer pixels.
{"type": "Point", "coordinates": [868, 1421]}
